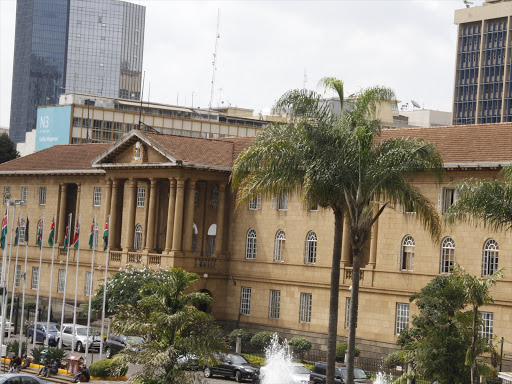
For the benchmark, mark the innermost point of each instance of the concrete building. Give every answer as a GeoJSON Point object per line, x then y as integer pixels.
{"type": "Point", "coordinates": [427, 117]}
{"type": "Point", "coordinates": [93, 46]}
{"type": "Point", "coordinates": [267, 264]}
{"type": "Point", "coordinates": [483, 91]}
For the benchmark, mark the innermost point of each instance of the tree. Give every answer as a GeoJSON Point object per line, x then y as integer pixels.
{"type": "Point", "coordinates": [167, 314]}
{"type": "Point", "coordinates": [339, 163]}
{"type": "Point", "coordinates": [7, 149]}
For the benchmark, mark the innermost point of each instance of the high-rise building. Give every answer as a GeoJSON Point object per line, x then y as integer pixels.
{"type": "Point", "coordinates": [483, 91]}
{"type": "Point", "coordinates": [92, 46]}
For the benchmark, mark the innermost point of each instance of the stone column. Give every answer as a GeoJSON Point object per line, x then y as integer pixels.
{"type": "Point", "coordinates": [374, 238]}
{"type": "Point", "coordinates": [170, 215]}
{"type": "Point", "coordinates": [219, 241]}
{"type": "Point", "coordinates": [113, 214]}
{"type": "Point", "coordinates": [178, 215]}
{"type": "Point", "coordinates": [78, 195]}
{"type": "Point", "coordinates": [150, 237]}
{"type": "Point", "coordinates": [63, 220]}
{"type": "Point", "coordinates": [189, 216]}
{"type": "Point", "coordinates": [108, 202]}
{"type": "Point", "coordinates": [130, 223]}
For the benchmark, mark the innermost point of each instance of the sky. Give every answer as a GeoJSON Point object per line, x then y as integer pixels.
{"type": "Point", "coordinates": [268, 47]}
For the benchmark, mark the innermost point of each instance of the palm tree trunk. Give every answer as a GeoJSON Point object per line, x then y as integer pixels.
{"type": "Point", "coordinates": [334, 297]}
{"type": "Point", "coordinates": [474, 339]}
{"type": "Point", "coordinates": [354, 304]}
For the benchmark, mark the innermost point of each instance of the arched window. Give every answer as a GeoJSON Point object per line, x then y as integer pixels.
{"type": "Point", "coordinates": [279, 246]}
{"type": "Point", "coordinates": [137, 239]}
{"type": "Point", "coordinates": [447, 255]}
{"type": "Point", "coordinates": [23, 226]}
{"type": "Point", "coordinates": [490, 257]}
{"type": "Point", "coordinates": [407, 253]}
{"type": "Point", "coordinates": [210, 240]}
{"type": "Point", "coordinates": [310, 257]}
{"type": "Point", "coordinates": [194, 238]}
{"type": "Point", "coordinates": [251, 244]}
{"type": "Point", "coordinates": [214, 202]}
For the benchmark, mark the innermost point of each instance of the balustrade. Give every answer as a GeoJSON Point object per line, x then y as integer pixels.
{"type": "Point", "coordinates": [134, 258]}
{"type": "Point", "coordinates": [115, 257]}
{"type": "Point", "coordinates": [154, 259]}
{"type": "Point", "coordinates": [349, 272]}
{"type": "Point", "coordinates": [206, 263]}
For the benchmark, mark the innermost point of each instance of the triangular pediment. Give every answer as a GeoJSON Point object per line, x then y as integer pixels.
{"type": "Point", "coordinates": [134, 150]}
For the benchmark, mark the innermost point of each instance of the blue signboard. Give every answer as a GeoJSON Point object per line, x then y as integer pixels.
{"type": "Point", "coordinates": [52, 126]}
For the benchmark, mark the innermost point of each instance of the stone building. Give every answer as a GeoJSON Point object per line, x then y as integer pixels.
{"type": "Point", "coordinates": [267, 264]}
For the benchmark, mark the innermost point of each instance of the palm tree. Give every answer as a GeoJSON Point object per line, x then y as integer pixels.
{"type": "Point", "coordinates": [167, 314]}
{"type": "Point", "coordinates": [338, 162]}
{"type": "Point", "coordinates": [476, 290]}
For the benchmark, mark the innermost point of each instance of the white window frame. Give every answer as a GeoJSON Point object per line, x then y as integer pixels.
{"type": "Point", "coordinates": [282, 201]}
{"type": "Point", "coordinates": [211, 238]}
{"type": "Point", "coordinates": [141, 197]}
{"type": "Point", "coordinates": [96, 196]}
{"type": "Point", "coordinates": [347, 313]}
{"type": "Point", "coordinates": [7, 194]}
{"type": "Point", "coordinates": [95, 234]}
{"type": "Point", "coordinates": [24, 194]}
{"type": "Point", "coordinates": [61, 280]}
{"type": "Point", "coordinates": [245, 301]}
{"type": "Point", "coordinates": [279, 244]}
{"type": "Point", "coordinates": [305, 307]}
{"type": "Point", "coordinates": [251, 245]}
{"type": "Point", "coordinates": [35, 278]}
{"type": "Point", "coordinates": [88, 283]}
{"type": "Point", "coordinates": [42, 195]}
{"type": "Point", "coordinates": [17, 274]}
{"type": "Point", "coordinates": [447, 197]}
{"type": "Point", "coordinates": [447, 255]}
{"type": "Point", "coordinates": [214, 200]}
{"type": "Point", "coordinates": [137, 238]}
{"type": "Point", "coordinates": [487, 325]}
{"type": "Point", "coordinates": [310, 248]}
{"type": "Point", "coordinates": [490, 255]}
{"type": "Point", "coordinates": [407, 253]}
{"type": "Point", "coordinates": [274, 304]}
{"type": "Point", "coordinates": [402, 317]}
{"type": "Point", "coordinates": [23, 228]}
{"type": "Point", "coordinates": [255, 203]}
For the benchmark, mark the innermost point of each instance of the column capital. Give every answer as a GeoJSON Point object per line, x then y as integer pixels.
{"type": "Point", "coordinates": [222, 186]}
{"type": "Point", "coordinates": [172, 180]}
{"type": "Point", "coordinates": [153, 181]}
{"type": "Point", "coordinates": [180, 183]}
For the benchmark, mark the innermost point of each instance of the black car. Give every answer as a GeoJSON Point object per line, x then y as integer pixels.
{"type": "Point", "coordinates": [231, 365]}
{"type": "Point", "coordinates": [115, 343]}
{"type": "Point", "coordinates": [318, 374]}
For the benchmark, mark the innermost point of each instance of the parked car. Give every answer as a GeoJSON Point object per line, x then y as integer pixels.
{"type": "Point", "coordinates": [231, 365]}
{"type": "Point", "coordinates": [41, 333]}
{"type": "Point", "coordinates": [115, 343]}
{"type": "Point", "coordinates": [317, 376]}
{"type": "Point", "coordinates": [297, 374]}
{"type": "Point", "coordinates": [189, 362]}
{"type": "Point", "coordinates": [82, 337]}
{"type": "Point", "coordinates": [8, 325]}
{"type": "Point", "coordinates": [17, 378]}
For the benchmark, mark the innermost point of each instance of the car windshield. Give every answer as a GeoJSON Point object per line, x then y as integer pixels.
{"type": "Point", "coordinates": [299, 369]}
{"type": "Point", "coordinates": [83, 332]}
{"type": "Point", "coordinates": [3, 378]}
{"type": "Point", "coordinates": [237, 359]}
{"type": "Point", "coordinates": [358, 373]}
{"type": "Point", "coordinates": [53, 328]}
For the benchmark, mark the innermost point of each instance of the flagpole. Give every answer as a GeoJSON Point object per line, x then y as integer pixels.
{"type": "Point", "coordinates": [2, 280]}
{"type": "Point", "coordinates": [40, 235]}
{"type": "Point", "coordinates": [65, 279]}
{"type": "Point", "coordinates": [14, 280]}
{"type": "Point", "coordinates": [105, 287]}
{"type": "Point", "coordinates": [54, 225]}
{"type": "Point", "coordinates": [9, 265]}
{"type": "Point", "coordinates": [24, 286]}
{"type": "Point", "coordinates": [91, 282]}
{"type": "Point", "coordinates": [73, 346]}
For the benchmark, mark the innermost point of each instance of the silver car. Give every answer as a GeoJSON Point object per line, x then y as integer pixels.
{"type": "Point", "coordinates": [82, 337]}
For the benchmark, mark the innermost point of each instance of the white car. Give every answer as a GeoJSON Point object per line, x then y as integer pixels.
{"type": "Point", "coordinates": [295, 374]}
{"type": "Point", "coordinates": [8, 325]}
{"type": "Point", "coordinates": [82, 337]}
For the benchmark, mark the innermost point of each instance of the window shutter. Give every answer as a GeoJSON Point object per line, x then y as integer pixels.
{"type": "Point", "coordinates": [440, 201]}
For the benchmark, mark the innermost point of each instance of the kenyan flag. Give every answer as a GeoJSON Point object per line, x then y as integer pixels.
{"type": "Point", "coordinates": [3, 234]}
{"type": "Point", "coordinates": [51, 238]}
{"type": "Point", "coordinates": [91, 238]}
{"type": "Point", "coordinates": [105, 237]}
{"type": "Point", "coordinates": [39, 235]}
{"type": "Point", "coordinates": [66, 239]}
{"type": "Point", "coordinates": [76, 238]}
{"type": "Point", "coordinates": [17, 234]}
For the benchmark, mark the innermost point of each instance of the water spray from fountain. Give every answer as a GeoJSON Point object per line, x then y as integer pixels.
{"type": "Point", "coordinates": [278, 357]}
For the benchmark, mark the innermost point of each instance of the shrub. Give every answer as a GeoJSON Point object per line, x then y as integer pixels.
{"type": "Point", "coordinates": [393, 360]}
{"type": "Point", "coordinates": [256, 359]}
{"type": "Point", "coordinates": [300, 345]}
{"type": "Point", "coordinates": [38, 353]}
{"type": "Point", "coordinates": [341, 349]}
{"type": "Point", "coordinates": [14, 347]}
{"type": "Point", "coordinates": [244, 333]}
{"type": "Point", "coordinates": [56, 353]}
{"type": "Point", "coordinates": [263, 338]}
{"type": "Point", "coordinates": [108, 368]}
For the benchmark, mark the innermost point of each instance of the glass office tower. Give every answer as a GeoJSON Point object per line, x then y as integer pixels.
{"type": "Point", "coordinates": [88, 46]}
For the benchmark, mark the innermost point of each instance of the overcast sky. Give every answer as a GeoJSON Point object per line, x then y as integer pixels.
{"type": "Point", "coordinates": [266, 47]}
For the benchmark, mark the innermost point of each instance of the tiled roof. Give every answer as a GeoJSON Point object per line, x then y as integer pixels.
{"type": "Point", "coordinates": [76, 157]}
{"type": "Point", "coordinates": [463, 144]}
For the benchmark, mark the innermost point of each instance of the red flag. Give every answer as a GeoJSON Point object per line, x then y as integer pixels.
{"type": "Point", "coordinates": [77, 236]}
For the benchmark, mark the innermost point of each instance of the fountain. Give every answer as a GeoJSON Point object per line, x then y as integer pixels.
{"type": "Point", "coordinates": [382, 379]}
{"type": "Point", "coordinates": [278, 358]}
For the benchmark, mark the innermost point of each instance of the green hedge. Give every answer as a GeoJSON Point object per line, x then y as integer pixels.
{"type": "Point", "coordinates": [243, 333]}
{"type": "Point", "coordinates": [107, 368]}
{"type": "Point", "coordinates": [341, 349]}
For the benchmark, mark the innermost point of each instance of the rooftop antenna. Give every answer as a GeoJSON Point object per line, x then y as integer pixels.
{"type": "Point", "coordinates": [141, 100]}
{"type": "Point", "coordinates": [415, 104]}
{"type": "Point", "coordinates": [214, 63]}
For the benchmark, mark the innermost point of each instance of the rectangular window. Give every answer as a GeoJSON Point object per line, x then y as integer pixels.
{"type": "Point", "coordinates": [17, 274]}
{"type": "Point", "coordinates": [275, 303]}
{"type": "Point", "coordinates": [141, 197]}
{"type": "Point", "coordinates": [347, 313]}
{"type": "Point", "coordinates": [282, 201]}
{"type": "Point", "coordinates": [486, 328]}
{"type": "Point", "coordinates": [97, 196]}
{"type": "Point", "coordinates": [60, 282]}
{"type": "Point", "coordinates": [402, 317]}
{"type": "Point", "coordinates": [88, 284]}
{"type": "Point", "coordinates": [447, 197]}
{"type": "Point", "coordinates": [42, 195]}
{"type": "Point", "coordinates": [7, 194]}
{"type": "Point", "coordinates": [245, 301]}
{"type": "Point", "coordinates": [305, 307]}
{"type": "Point", "coordinates": [35, 277]}
{"type": "Point", "coordinates": [312, 206]}
{"type": "Point", "coordinates": [24, 194]}
{"type": "Point", "coordinates": [255, 203]}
